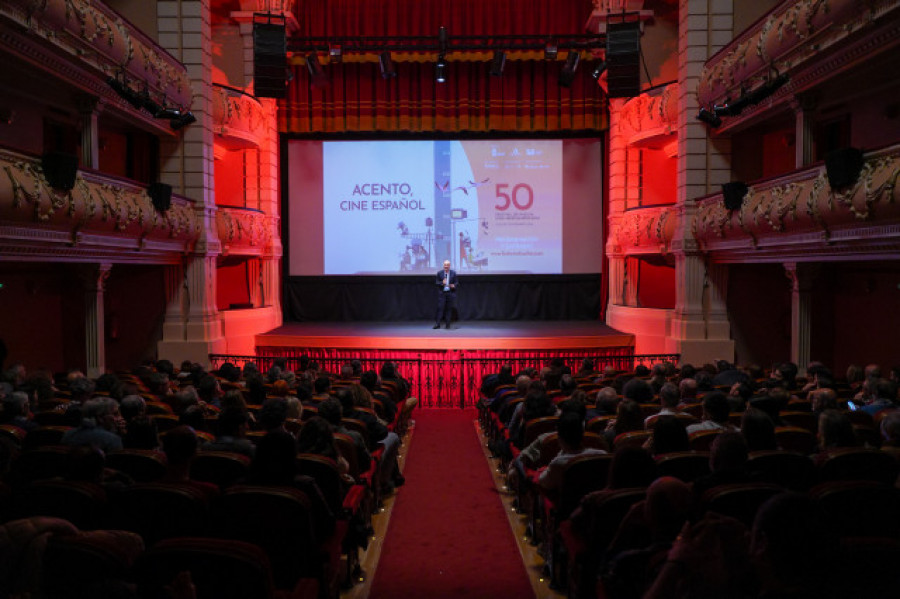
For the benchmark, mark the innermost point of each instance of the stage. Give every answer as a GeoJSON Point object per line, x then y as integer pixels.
{"type": "Point", "coordinates": [462, 336]}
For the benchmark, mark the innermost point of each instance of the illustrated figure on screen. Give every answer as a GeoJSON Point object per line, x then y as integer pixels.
{"type": "Point", "coordinates": [447, 283]}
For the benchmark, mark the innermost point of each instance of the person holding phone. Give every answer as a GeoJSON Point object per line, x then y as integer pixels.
{"type": "Point", "coordinates": [446, 282]}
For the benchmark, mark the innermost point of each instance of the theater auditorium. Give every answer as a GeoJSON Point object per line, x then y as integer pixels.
{"type": "Point", "coordinates": [355, 299]}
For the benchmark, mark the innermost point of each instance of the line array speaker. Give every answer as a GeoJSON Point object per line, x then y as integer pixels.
{"type": "Point", "coordinates": [269, 60]}
{"type": "Point", "coordinates": [623, 59]}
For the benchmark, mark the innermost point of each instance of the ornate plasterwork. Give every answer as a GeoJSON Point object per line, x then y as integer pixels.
{"type": "Point", "coordinates": [794, 36]}
{"type": "Point", "coordinates": [803, 211]}
{"type": "Point", "coordinates": [95, 37]}
{"type": "Point", "coordinates": [644, 230]}
{"type": "Point", "coordinates": [105, 211]}
{"type": "Point", "coordinates": [651, 120]}
{"type": "Point", "coordinates": [243, 230]}
{"type": "Point", "coordinates": [240, 120]}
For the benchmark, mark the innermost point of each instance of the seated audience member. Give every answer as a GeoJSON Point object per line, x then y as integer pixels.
{"type": "Point", "coordinates": [669, 434]}
{"type": "Point", "coordinates": [498, 403]}
{"type": "Point", "coordinates": [537, 404]}
{"type": "Point", "coordinates": [233, 424]}
{"type": "Point", "coordinates": [81, 389]}
{"type": "Point", "coordinates": [321, 390]}
{"type": "Point", "coordinates": [657, 377]}
{"type": "Point", "coordinates": [772, 401]}
{"type": "Point", "coordinates": [586, 370]}
{"type": "Point", "coordinates": [209, 391]}
{"type": "Point", "coordinates": [491, 382]}
{"type": "Point", "coordinates": [784, 375]}
{"type": "Point", "coordinates": [638, 390]}
{"type": "Point", "coordinates": [369, 382]}
{"type": "Point", "coordinates": [715, 414]}
{"type": "Point", "coordinates": [882, 396]}
{"type": "Point", "coordinates": [256, 389]}
{"type": "Point", "coordinates": [605, 403]}
{"type": "Point", "coordinates": [688, 391]}
{"type": "Point", "coordinates": [890, 430]}
{"type": "Point", "coordinates": [835, 431]}
{"type": "Point", "coordinates": [193, 417]}
{"type": "Point", "coordinates": [180, 446]}
{"type": "Point", "coordinates": [100, 427]}
{"type": "Point", "coordinates": [728, 374]}
{"type": "Point", "coordinates": [141, 433]}
{"type": "Point", "coordinates": [727, 463]}
{"type": "Point", "coordinates": [631, 467]}
{"type": "Point", "coordinates": [275, 464]}
{"type": "Point", "coordinates": [668, 399]}
{"type": "Point", "coordinates": [16, 411]}
{"type": "Point", "coordinates": [571, 433]}
{"type": "Point", "coordinates": [738, 396]}
{"type": "Point", "coordinates": [272, 414]}
{"type": "Point", "coordinates": [331, 412]}
{"type": "Point", "coordinates": [567, 385]}
{"type": "Point", "coordinates": [822, 399]}
{"type": "Point", "coordinates": [316, 437]}
{"type": "Point", "coordinates": [131, 407]}
{"type": "Point", "coordinates": [758, 430]}
{"type": "Point", "coordinates": [629, 417]}
{"type": "Point", "coordinates": [357, 396]}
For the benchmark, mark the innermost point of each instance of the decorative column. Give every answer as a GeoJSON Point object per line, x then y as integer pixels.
{"type": "Point", "coordinates": [632, 280]}
{"type": "Point", "coordinates": [89, 108]}
{"type": "Point", "coordinates": [804, 118]}
{"type": "Point", "coordinates": [801, 277]}
{"type": "Point", "coordinates": [94, 278]}
{"type": "Point", "coordinates": [704, 163]}
{"type": "Point", "coordinates": [187, 165]}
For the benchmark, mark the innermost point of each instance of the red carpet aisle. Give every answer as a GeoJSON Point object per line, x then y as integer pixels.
{"type": "Point", "coordinates": [449, 536]}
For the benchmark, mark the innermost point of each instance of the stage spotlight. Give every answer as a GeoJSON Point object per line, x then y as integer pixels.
{"type": "Point", "coordinates": [440, 69]}
{"type": "Point", "coordinates": [598, 70]}
{"type": "Point", "coordinates": [551, 50]}
{"type": "Point", "coordinates": [167, 113]}
{"type": "Point", "coordinates": [317, 76]}
{"type": "Point", "coordinates": [567, 75]}
{"type": "Point", "coordinates": [183, 121]}
{"type": "Point", "coordinates": [387, 65]}
{"type": "Point", "coordinates": [498, 63]}
{"type": "Point", "coordinates": [709, 117]}
{"type": "Point", "coordinates": [335, 53]}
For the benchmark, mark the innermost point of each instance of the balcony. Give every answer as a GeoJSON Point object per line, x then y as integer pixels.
{"type": "Point", "coordinates": [800, 215]}
{"type": "Point", "coordinates": [809, 42]}
{"type": "Point", "coordinates": [243, 231]}
{"type": "Point", "coordinates": [101, 218]}
{"type": "Point", "coordinates": [651, 120]}
{"type": "Point", "coordinates": [645, 230]}
{"type": "Point", "coordinates": [239, 119]}
{"type": "Point", "coordinates": [85, 43]}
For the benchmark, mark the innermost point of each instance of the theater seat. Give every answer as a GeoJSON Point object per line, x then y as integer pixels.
{"type": "Point", "coordinates": [795, 438]}
{"type": "Point", "coordinates": [162, 510]}
{"type": "Point", "coordinates": [739, 500]}
{"type": "Point", "coordinates": [683, 465]}
{"type": "Point", "coordinates": [857, 463]}
{"type": "Point", "coordinates": [73, 563]}
{"type": "Point", "coordinates": [860, 508]}
{"type": "Point", "coordinates": [143, 465]}
{"type": "Point", "coordinates": [221, 468]}
{"type": "Point", "coordinates": [83, 504]}
{"type": "Point", "coordinates": [792, 470]}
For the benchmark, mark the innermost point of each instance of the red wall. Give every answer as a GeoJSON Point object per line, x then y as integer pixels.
{"type": "Point", "coordinates": [759, 307]}
{"type": "Point", "coordinates": [231, 285]}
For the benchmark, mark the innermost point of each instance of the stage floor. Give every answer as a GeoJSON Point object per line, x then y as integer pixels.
{"type": "Point", "coordinates": [483, 335]}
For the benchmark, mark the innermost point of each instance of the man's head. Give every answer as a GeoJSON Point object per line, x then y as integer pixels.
{"type": "Point", "coordinates": [715, 407]}
{"type": "Point", "coordinates": [446, 266]}
{"type": "Point", "coordinates": [105, 412]}
{"type": "Point", "coordinates": [570, 427]}
{"type": "Point", "coordinates": [669, 395]}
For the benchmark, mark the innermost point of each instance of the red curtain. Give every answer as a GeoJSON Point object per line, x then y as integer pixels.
{"type": "Point", "coordinates": [527, 98]}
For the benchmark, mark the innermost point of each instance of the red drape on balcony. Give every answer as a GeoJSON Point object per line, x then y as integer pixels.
{"type": "Point", "coordinates": [527, 98]}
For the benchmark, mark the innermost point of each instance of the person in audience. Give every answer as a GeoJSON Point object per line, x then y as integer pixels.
{"type": "Point", "coordinates": [822, 399]}
{"type": "Point", "coordinates": [316, 437]}
{"type": "Point", "coordinates": [331, 412]}
{"type": "Point", "coordinates": [567, 385]}
{"type": "Point", "coordinates": [321, 390]}
{"type": "Point", "coordinates": [669, 398]}
{"type": "Point", "coordinates": [370, 382]}
{"type": "Point", "coordinates": [890, 429]}
{"type": "Point", "coordinates": [638, 390]}
{"type": "Point", "coordinates": [180, 446]}
{"type": "Point", "coordinates": [606, 403]}
{"type": "Point", "coordinates": [586, 370]}
{"type": "Point", "coordinates": [657, 377]}
{"type": "Point", "coordinates": [17, 411]}
{"type": "Point", "coordinates": [738, 396]}
{"type": "Point", "coordinates": [728, 374]}
{"type": "Point", "coordinates": [629, 417]}
{"type": "Point", "coordinates": [272, 414]}
{"type": "Point", "coordinates": [881, 397]}
{"type": "Point", "coordinates": [497, 404]}
{"type": "Point", "coordinates": [357, 396]}
{"type": "Point", "coordinates": [232, 424]}
{"type": "Point", "coordinates": [537, 404]}
{"type": "Point", "coordinates": [727, 463]}
{"type": "Point", "coordinates": [758, 430]}
{"type": "Point", "coordinates": [687, 388]}
{"type": "Point", "coordinates": [669, 434]}
{"type": "Point", "coordinates": [100, 427]}
{"type": "Point", "coordinates": [715, 414]}
{"type": "Point", "coordinates": [81, 389]}
{"type": "Point", "coordinates": [570, 429]}
{"type": "Point", "coordinates": [209, 391]}
{"type": "Point", "coordinates": [141, 433]}
{"type": "Point", "coordinates": [835, 431]}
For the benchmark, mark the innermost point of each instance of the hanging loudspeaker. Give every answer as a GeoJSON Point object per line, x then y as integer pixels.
{"type": "Point", "coordinates": [161, 196]}
{"type": "Point", "coordinates": [60, 169]}
{"type": "Point", "coordinates": [733, 194]}
{"type": "Point", "coordinates": [843, 167]}
{"type": "Point", "coordinates": [623, 59]}
{"type": "Point", "coordinates": [269, 59]}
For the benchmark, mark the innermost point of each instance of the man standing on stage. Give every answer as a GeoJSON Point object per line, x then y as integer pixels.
{"type": "Point", "coordinates": [446, 283]}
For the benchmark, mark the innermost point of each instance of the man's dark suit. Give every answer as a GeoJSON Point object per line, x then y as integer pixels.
{"type": "Point", "coordinates": [446, 299]}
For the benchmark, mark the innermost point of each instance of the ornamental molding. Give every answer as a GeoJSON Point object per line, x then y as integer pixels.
{"type": "Point", "coordinates": [800, 213]}
{"type": "Point", "coordinates": [96, 43]}
{"type": "Point", "coordinates": [809, 40]}
{"type": "Point", "coordinates": [98, 212]}
{"type": "Point", "coordinates": [651, 121]}
{"type": "Point", "coordinates": [644, 231]}
{"type": "Point", "coordinates": [243, 231]}
{"type": "Point", "coordinates": [240, 120]}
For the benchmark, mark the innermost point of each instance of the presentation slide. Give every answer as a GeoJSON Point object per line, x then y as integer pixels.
{"type": "Point", "coordinates": [404, 207]}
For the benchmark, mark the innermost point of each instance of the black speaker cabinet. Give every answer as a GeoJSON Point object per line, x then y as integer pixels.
{"type": "Point", "coordinates": [733, 194]}
{"type": "Point", "coordinates": [161, 196]}
{"type": "Point", "coordinates": [623, 59]}
{"type": "Point", "coordinates": [270, 60]}
{"type": "Point", "coordinates": [60, 169]}
{"type": "Point", "coordinates": [843, 167]}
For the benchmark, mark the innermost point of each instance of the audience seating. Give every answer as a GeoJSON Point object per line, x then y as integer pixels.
{"type": "Point", "coordinates": [45, 435]}
{"type": "Point", "coordinates": [860, 508]}
{"type": "Point", "coordinates": [739, 500]}
{"type": "Point", "coordinates": [84, 504]}
{"type": "Point", "coordinates": [75, 565]}
{"type": "Point", "coordinates": [685, 418]}
{"type": "Point", "coordinates": [683, 465]}
{"type": "Point", "coordinates": [703, 440]}
{"type": "Point", "coordinates": [13, 433]}
{"type": "Point", "coordinates": [38, 464]}
{"type": "Point", "coordinates": [794, 438]}
{"type": "Point", "coordinates": [537, 427]}
{"type": "Point", "coordinates": [221, 468]}
{"type": "Point", "coordinates": [792, 470]}
{"type": "Point", "coordinates": [143, 465]}
{"type": "Point", "coordinates": [631, 439]}
{"type": "Point", "coordinates": [806, 420]}
{"type": "Point", "coordinates": [598, 424]}
{"type": "Point", "coordinates": [51, 418]}
{"type": "Point", "coordinates": [163, 510]}
{"type": "Point", "coordinates": [857, 463]}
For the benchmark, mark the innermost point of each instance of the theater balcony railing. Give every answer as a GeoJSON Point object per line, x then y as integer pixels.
{"type": "Point", "coordinates": [243, 231]}
{"type": "Point", "coordinates": [809, 41]}
{"type": "Point", "coordinates": [85, 43]}
{"type": "Point", "coordinates": [651, 120]}
{"type": "Point", "coordinates": [239, 119]}
{"type": "Point", "coordinates": [100, 218]}
{"type": "Point", "coordinates": [799, 216]}
{"type": "Point", "coordinates": [644, 230]}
